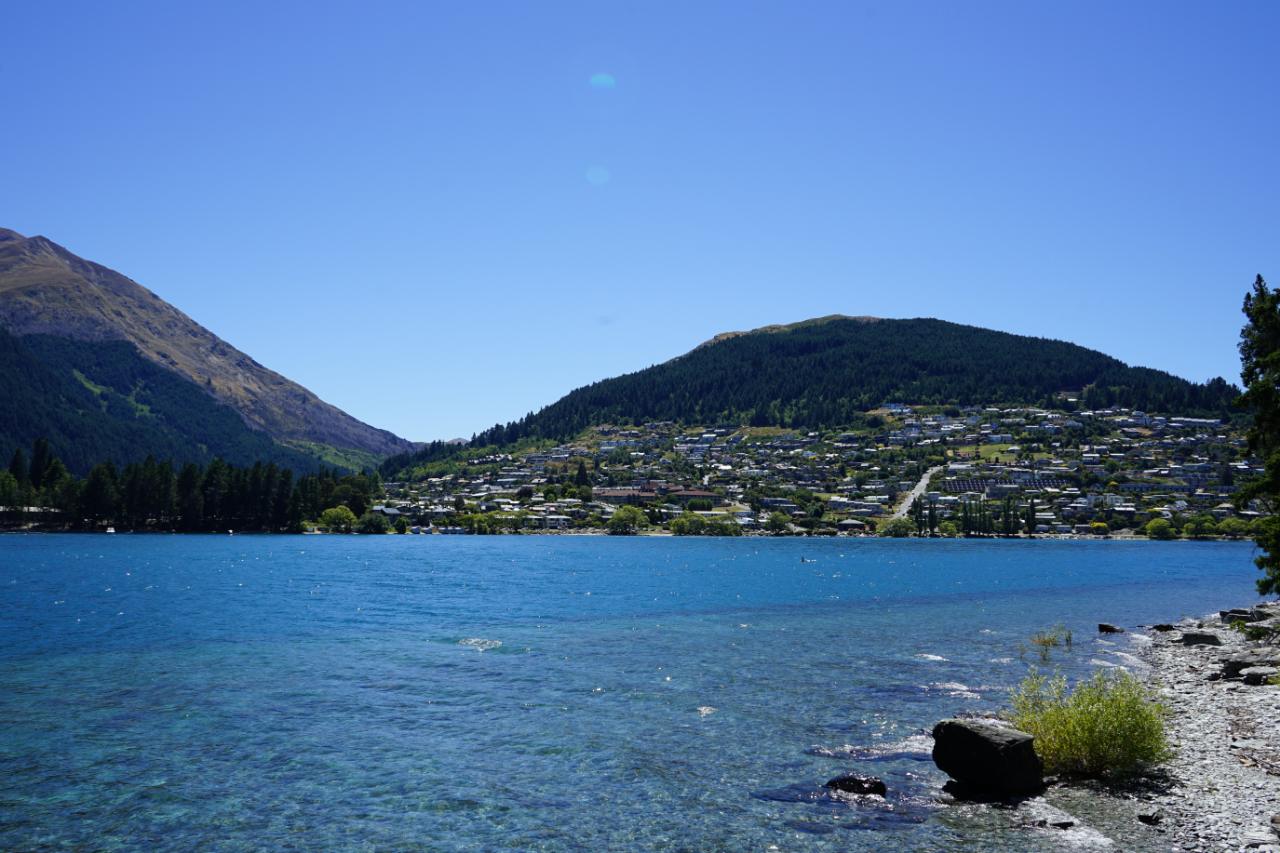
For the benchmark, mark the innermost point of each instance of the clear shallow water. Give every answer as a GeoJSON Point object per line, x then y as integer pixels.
{"type": "Point", "coordinates": [532, 693]}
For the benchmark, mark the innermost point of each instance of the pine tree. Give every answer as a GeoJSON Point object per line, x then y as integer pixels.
{"type": "Point", "coordinates": [1260, 371]}
{"type": "Point", "coordinates": [19, 469]}
{"type": "Point", "coordinates": [100, 499]}
{"type": "Point", "coordinates": [41, 458]}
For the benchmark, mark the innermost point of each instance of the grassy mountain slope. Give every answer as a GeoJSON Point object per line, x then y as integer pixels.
{"type": "Point", "coordinates": [46, 290]}
{"type": "Point", "coordinates": [825, 372]}
{"type": "Point", "coordinates": [100, 400]}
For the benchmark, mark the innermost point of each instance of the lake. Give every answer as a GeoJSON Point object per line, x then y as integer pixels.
{"type": "Point", "coordinates": [535, 693]}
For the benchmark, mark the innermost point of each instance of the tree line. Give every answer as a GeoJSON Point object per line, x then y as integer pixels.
{"type": "Point", "coordinates": [157, 495]}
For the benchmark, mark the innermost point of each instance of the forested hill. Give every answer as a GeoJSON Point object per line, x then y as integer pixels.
{"type": "Point", "coordinates": [825, 372]}
{"type": "Point", "coordinates": [98, 401]}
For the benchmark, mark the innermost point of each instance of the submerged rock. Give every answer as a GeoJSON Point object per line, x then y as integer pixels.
{"type": "Point", "coordinates": [853, 783]}
{"type": "Point", "coordinates": [1107, 628]}
{"type": "Point", "coordinates": [1200, 638]}
{"type": "Point", "coordinates": [987, 758]}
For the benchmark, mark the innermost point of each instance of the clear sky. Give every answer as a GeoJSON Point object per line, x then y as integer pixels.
{"type": "Point", "coordinates": [442, 215]}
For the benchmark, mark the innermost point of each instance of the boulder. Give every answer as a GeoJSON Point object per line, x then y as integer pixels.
{"type": "Point", "coordinates": [852, 783]}
{"type": "Point", "coordinates": [1200, 638]}
{"type": "Point", "coordinates": [1243, 614]}
{"type": "Point", "coordinates": [1162, 627]}
{"type": "Point", "coordinates": [1106, 628]}
{"type": "Point", "coordinates": [987, 758]}
{"type": "Point", "coordinates": [1258, 675]}
{"type": "Point", "coordinates": [1151, 816]}
{"type": "Point", "coordinates": [1233, 665]}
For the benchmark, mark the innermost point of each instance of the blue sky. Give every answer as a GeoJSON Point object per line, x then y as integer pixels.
{"type": "Point", "coordinates": [438, 216]}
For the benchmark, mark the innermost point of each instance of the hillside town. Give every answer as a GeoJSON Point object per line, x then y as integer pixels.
{"type": "Point", "coordinates": [904, 470]}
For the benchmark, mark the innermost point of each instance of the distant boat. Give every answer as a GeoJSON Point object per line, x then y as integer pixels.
{"type": "Point", "coordinates": [111, 530]}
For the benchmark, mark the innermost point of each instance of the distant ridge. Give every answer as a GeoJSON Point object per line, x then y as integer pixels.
{"type": "Point", "coordinates": [787, 327]}
{"type": "Point", "coordinates": [47, 290]}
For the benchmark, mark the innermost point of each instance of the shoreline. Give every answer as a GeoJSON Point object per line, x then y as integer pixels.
{"type": "Point", "coordinates": [655, 534]}
{"type": "Point", "coordinates": [1223, 783]}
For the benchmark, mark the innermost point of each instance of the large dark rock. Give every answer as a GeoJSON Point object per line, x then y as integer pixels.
{"type": "Point", "coordinates": [1162, 627]}
{"type": "Point", "coordinates": [1233, 665]}
{"type": "Point", "coordinates": [852, 783]}
{"type": "Point", "coordinates": [1258, 675]}
{"type": "Point", "coordinates": [1243, 614]}
{"type": "Point", "coordinates": [1106, 628]}
{"type": "Point", "coordinates": [987, 758]}
{"type": "Point", "coordinates": [1200, 638]}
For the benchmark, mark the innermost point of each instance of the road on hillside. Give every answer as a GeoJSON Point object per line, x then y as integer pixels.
{"type": "Point", "coordinates": [905, 506]}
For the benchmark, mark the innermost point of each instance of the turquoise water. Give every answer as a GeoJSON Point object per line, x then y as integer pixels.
{"type": "Point", "coordinates": [531, 693]}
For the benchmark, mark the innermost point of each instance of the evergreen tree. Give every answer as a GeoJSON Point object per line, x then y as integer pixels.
{"type": "Point", "coordinates": [41, 458]}
{"type": "Point", "coordinates": [100, 500]}
{"type": "Point", "coordinates": [19, 469]}
{"type": "Point", "coordinates": [1260, 370]}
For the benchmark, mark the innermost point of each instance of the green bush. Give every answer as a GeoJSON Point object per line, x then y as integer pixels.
{"type": "Point", "coordinates": [372, 522]}
{"type": "Point", "coordinates": [626, 521]}
{"type": "Point", "coordinates": [898, 528]}
{"type": "Point", "coordinates": [1107, 725]}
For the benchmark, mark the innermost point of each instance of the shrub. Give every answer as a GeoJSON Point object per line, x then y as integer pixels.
{"type": "Point", "coordinates": [688, 524]}
{"type": "Point", "coordinates": [1159, 528]}
{"type": "Point", "coordinates": [898, 528]}
{"type": "Point", "coordinates": [338, 519]}
{"type": "Point", "coordinates": [626, 521]}
{"type": "Point", "coordinates": [1107, 725]}
{"type": "Point", "coordinates": [372, 522]}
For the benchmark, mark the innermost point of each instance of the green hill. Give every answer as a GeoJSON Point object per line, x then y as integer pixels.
{"type": "Point", "coordinates": [101, 400]}
{"type": "Point", "coordinates": [826, 372]}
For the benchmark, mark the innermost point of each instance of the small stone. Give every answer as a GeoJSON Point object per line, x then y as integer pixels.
{"type": "Point", "coordinates": [1063, 824]}
{"type": "Point", "coordinates": [1151, 817]}
{"type": "Point", "coordinates": [852, 783]}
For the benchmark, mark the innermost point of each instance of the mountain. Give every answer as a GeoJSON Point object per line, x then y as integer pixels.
{"type": "Point", "coordinates": [101, 400]}
{"type": "Point", "coordinates": [826, 372]}
{"type": "Point", "coordinates": [51, 300]}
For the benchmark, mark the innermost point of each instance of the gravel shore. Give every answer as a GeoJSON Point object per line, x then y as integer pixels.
{"type": "Point", "coordinates": [1223, 787]}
